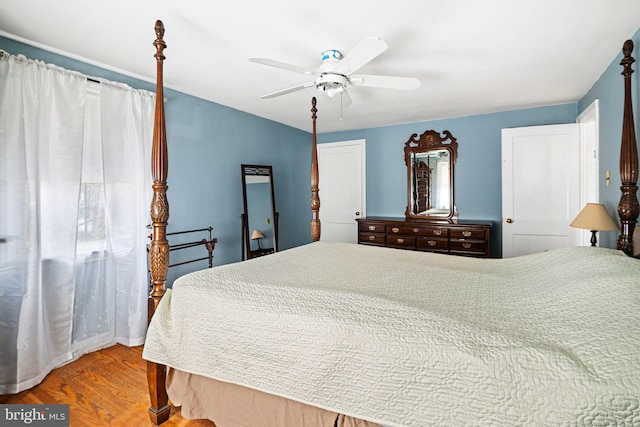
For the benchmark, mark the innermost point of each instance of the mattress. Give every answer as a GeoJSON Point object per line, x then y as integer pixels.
{"type": "Point", "coordinates": [404, 338]}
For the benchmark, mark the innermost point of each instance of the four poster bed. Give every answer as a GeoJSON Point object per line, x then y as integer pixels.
{"type": "Point", "coordinates": [354, 335]}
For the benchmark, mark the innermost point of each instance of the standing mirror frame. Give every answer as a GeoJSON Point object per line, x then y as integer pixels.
{"type": "Point", "coordinates": [430, 162]}
{"type": "Point", "coordinates": [260, 218]}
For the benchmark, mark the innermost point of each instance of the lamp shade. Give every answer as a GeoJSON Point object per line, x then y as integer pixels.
{"type": "Point", "coordinates": [594, 217]}
{"type": "Point", "coordinates": [256, 235]}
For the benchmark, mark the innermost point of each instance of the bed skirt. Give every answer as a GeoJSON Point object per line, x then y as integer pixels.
{"type": "Point", "coordinates": [230, 405]}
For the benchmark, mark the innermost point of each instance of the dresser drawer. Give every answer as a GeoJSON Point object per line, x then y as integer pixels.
{"type": "Point", "coordinates": [368, 227]}
{"type": "Point", "coordinates": [436, 244]}
{"type": "Point", "coordinates": [472, 234]}
{"type": "Point", "coordinates": [371, 238]}
{"type": "Point", "coordinates": [404, 242]}
{"type": "Point", "coordinates": [416, 230]}
{"type": "Point", "coordinates": [471, 247]}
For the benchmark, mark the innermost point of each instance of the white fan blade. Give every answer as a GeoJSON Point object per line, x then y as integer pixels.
{"type": "Point", "coordinates": [364, 52]}
{"type": "Point", "coordinates": [388, 82]}
{"type": "Point", "coordinates": [282, 65]}
{"type": "Point", "coordinates": [288, 90]}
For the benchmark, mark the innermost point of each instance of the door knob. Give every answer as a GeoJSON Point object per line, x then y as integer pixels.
{"type": "Point", "coordinates": [509, 220]}
{"type": "Point", "coordinates": [357, 213]}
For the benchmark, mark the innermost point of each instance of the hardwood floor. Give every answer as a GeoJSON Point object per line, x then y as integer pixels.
{"type": "Point", "coordinates": [105, 388]}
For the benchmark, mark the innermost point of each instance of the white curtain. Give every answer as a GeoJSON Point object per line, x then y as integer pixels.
{"type": "Point", "coordinates": [127, 132]}
{"type": "Point", "coordinates": [74, 184]}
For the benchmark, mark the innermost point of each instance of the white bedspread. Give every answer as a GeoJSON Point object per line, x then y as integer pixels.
{"type": "Point", "coordinates": [416, 339]}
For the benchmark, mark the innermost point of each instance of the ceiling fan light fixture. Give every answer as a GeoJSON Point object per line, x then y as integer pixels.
{"type": "Point", "coordinates": [333, 91]}
{"type": "Point", "coordinates": [331, 83]}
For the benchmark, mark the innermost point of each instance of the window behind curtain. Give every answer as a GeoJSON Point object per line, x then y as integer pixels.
{"type": "Point", "coordinates": [92, 318]}
{"type": "Point", "coordinates": [91, 214]}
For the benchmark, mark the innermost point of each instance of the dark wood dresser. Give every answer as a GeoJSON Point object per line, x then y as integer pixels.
{"type": "Point", "coordinates": [261, 252]}
{"type": "Point", "coordinates": [467, 238]}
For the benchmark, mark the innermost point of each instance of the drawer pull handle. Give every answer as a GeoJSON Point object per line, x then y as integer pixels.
{"type": "Point", "coordinates": [431, 242]}
{"type": "Point", "coordinates": [437, 232]}
{"type": "Point", "coordinates": [395, 229]}
{"type": "Point", "coordinates": [466, 233]}
{"type": "Point", "coordinates": [400, 240]}
{"type": "Point", "coordinates": [466, 245]}
{"type": "Point", "coordinates": [372, 228]}
{"type": "Point", "coordinates": [415, 230]}
{"type": "Point", "coordinates": [372, 237]}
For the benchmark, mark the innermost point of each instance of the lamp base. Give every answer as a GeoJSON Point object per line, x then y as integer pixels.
{"type": "Point", "coordinates": [594, 239]}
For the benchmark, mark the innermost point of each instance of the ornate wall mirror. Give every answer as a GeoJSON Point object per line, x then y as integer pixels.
{"type": "Point", "coordinates": [260, 219]}
{"type": "Point", "coordinates": [430, 159]}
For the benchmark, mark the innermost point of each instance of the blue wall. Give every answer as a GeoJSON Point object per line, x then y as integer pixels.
{"type": "Point", "coordinates": [477, 173]}
{"type": "Point", "coordinates": [207, 143]}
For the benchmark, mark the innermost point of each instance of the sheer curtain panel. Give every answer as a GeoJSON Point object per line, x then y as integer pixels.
{"type": "Point", "coordinates": [126, 149]}
{"type": "Point", "coordinates": [62, 230]}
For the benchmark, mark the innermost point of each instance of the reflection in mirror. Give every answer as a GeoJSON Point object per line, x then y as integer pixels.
{"type": "Point", "coordinates": [431, 186]}
{"type": "Point", "coordinates": [429, 163]}
{"type": "Point", "coordinates": [260, 219]}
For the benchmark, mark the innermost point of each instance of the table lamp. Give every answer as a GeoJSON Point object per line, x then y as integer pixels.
{"type": "Point", "coordinates": [594, 217]}
{"type": "Point", "coordinates": [257, 235]}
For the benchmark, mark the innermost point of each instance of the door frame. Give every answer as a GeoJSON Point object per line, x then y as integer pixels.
{"type": "Point", "coordinates": [589, 121]}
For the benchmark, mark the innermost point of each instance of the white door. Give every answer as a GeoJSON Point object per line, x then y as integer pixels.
{"type": "Point", "coordinates": [540, 188]}
{"type": "Point", "coordinates": [341, 166]}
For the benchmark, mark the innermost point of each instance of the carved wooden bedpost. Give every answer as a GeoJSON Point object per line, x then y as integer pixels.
{"type": "Point", "coordinates": [159, 247]}
{"type": "Point", "coordinates": [628, 208]}
{"type": "Point", "coordinates": [315, 199]}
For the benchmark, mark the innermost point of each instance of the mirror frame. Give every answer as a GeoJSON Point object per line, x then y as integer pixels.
{"type": "Point", "coordinates": [428, 141]}
{"type": "Point", "coordinates": [256, 170]}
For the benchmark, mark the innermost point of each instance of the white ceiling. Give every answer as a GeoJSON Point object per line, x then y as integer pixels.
{"type": "Point", "coordinates": [472, 57]}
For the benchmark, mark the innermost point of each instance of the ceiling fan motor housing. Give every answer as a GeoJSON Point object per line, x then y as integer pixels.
{"type": "Point", "coordinates": [331, 80]}
{"type": "Point", "coordinates": [332, 54]}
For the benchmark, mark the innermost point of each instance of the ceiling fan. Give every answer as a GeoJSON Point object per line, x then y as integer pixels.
{"type": "Point", "coordinates": [336, 71]}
